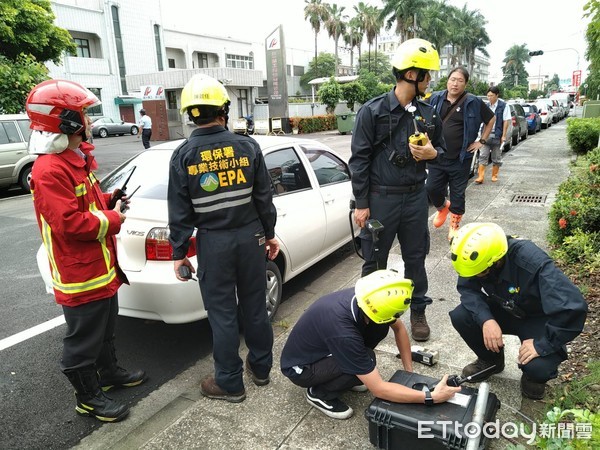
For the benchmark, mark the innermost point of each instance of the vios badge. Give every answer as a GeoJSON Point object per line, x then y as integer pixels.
{"type": "Point", "coordinates": [209, 182]}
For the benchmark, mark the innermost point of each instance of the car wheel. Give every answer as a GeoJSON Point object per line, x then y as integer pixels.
{"type": "Point", "coordinates": [524, 135]}
{"type": "Point", "coordinates": [515, 139]}
{"type": "Point", "coordinates": [102, 132]}
{"type": "Point", "coordinates": [274, 285]}
{"type": "Point", "coordinates": [25, 179]}
{"type": "Point", "coordinates": [134, 130]}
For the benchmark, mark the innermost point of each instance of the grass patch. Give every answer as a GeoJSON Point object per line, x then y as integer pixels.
{"type": "Point", "coordinates": [583, 393]}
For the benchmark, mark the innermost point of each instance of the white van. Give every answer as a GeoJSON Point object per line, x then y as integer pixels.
{"type": "Point", "coordinates": [564, 100]}
{"type": "Point", "coordinates": [15, 161]}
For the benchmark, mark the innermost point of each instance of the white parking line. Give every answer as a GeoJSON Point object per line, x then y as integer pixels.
{"type": "Point", "coordinates": [31, 332]}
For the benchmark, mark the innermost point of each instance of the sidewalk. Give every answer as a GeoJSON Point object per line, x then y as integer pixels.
{"type": "Point", "coordinates": [277, 416]}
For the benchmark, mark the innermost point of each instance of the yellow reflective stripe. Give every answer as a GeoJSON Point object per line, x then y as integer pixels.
{"type": "Point", "coordinates": [47, 239]}
{"type": "Point", "coordinates": [80, 190]}
{"type": "Point", "coordinates": [92, 178]}
{"type": "Point", "coordinates": [104, 224]}
{"type": "Point", "coordinates": [94, 283]}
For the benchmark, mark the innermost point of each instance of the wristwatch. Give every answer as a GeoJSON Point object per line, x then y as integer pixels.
{"type": "Point", "coordinates": [428, 398]}
{"type": "Point", "coordinates": [483, 141]}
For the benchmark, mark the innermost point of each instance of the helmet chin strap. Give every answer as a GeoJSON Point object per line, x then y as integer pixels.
{"type": "Point", "coordinates": [421, 74]}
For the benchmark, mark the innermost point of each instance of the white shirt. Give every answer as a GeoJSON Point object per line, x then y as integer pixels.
{"type": "Point", "coordinates": [146, 123]}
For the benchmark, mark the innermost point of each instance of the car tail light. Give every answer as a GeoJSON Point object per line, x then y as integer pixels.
{"type": "Point", "coordinates": [532, 116]}
{"type": "Point", "coordinates": [543, 113]}
{"type": "Point", "coordinates": [514, 121]}
{"type": "Point", "coordinates": [158, 247]}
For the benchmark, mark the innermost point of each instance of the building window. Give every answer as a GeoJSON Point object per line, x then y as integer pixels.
{"type": "Point", "coordinates": [171, 100]}
{"type": "Point", "coordinates": [243, 102]}
{"type": "Point", "coordinates": [159, 55]}
{"type": "Point", "coordinates": [83, 48]}
{"type": "Point", "coordinates": [96, 110]}
{"type": "Point", "coordinates": [202, 60]}
{"type": "Point", "coordinates": [119, 45]}
{"type": "Point", "coordinates": [239, 61]}
{"type": "Point", "coordinates": [171, 63]}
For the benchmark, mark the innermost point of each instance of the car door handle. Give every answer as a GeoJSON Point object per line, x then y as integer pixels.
{"type": "Point", "coordinates": [281, 212]}
{"type": "Point", "coordinates": [328, 199]}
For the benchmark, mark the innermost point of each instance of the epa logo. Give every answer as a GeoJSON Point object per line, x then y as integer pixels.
{"type": "Point", "coordinates": [209, 182]}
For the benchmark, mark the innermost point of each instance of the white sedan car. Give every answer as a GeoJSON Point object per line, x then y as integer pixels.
{"type": "Point", "coordinates": [311, 190]}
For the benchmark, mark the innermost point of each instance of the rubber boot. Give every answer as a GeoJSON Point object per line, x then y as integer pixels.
{"type": "Point", "coordinates": [440, 216]}
{"type": "Point", "coordinates": [111, 374]}
{"type": "Point", "coordinates": [495, 170]}
{"type": "Point", "coordinates": [91, 400]}
{"type": "Point", "coordinates": [454, 225]}
{"type": "Point", "coordinates": [481, 174]}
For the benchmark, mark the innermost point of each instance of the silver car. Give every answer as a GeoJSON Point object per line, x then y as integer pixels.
{"type": "Point", "coordinates": [105, 126]}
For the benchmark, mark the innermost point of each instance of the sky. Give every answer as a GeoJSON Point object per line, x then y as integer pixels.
{"type": "Point", "coordinates": [549, 25]}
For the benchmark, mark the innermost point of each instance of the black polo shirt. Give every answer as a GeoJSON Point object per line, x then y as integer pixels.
{"type": "Point", "coordinates": [333, 325]}
{"type": "Point", "coordinates": [453, 127]}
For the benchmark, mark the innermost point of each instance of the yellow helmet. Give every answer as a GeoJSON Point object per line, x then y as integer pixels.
{"type": "Point", "coordinates": [203, 90]}
{"type": "Point", "coordinates": [476, 247]}
{"type": "Point", "coordinates": [383, 295]}
{"type": "Point", "coordinates": [417, 53]}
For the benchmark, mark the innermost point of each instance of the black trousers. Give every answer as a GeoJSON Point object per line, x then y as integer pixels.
{"type": "Point", "coordinates": [326, 379]}
{"type": "Point", "coordinates": [232, 272]}
{"type": "Point", "coordinates": [404, 216]}
{"type": "Point", "coordinates": [89, 327]}
{"type": "Point", "coordinates": [146, 135]}
{"type": "Point", "coordinates": [448, 173]}
{"type": "Point", "coordinates": [540, 369]}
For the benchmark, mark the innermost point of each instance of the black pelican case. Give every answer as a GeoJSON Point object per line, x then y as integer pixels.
{"type": "Point", "coordinates": [395, 426]}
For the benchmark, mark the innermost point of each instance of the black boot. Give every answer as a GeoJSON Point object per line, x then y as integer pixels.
{"type": "Point", "coordinates": [91, 400]}
{"type": "Point", "coordinates": [111, 374]}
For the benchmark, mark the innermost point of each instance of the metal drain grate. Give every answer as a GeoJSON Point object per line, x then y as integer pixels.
{"type": "Point", "coordinates": [528, 198]}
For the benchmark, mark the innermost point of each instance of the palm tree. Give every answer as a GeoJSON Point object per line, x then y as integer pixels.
{"type": "Point", "coordinates": [514, 66]}
{"type": "Point", "coordinates": [434, 24]}
{"type": "Point", "coordinates": [478, 39]}
{"type": "Point", "coordinates": [335, 26]}
{"type": "Point", "coordinates": [353, 38]}
{"type": "Point", "coordinates": [404, 13]}
{"type": "Point", "coordinates": [315, 12]}
{"type": "Point", "coordinates": [368, 18]}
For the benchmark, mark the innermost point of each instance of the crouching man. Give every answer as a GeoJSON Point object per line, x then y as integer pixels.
{"type": "Point", "coordinates": [511, 286]}
{"type": "Point", "coordinates": [330, 349]}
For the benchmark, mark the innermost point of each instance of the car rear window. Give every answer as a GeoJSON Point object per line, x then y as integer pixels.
{"type": "Point", "coordinates": [9, 133]}
{"type": "Point", "coordinates": [151, 174]}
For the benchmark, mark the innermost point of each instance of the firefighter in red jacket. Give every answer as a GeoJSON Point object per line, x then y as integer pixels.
{"type": "Point", "coordinates": [78, 231]}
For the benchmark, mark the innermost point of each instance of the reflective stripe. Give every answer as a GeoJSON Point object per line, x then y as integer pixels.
{"type": "Point", "coordinates": [223, 205]}
{"type": "Point", "coordinates": [81, 190]}
{"type": "Point", "coordinates": [214, 198]}
{"type": "Point", "coordinates": [104, 224]}
{"type": "Point", "coordinates": [47, 240]}
{"type": "Point", "coordinates": [94, 283]}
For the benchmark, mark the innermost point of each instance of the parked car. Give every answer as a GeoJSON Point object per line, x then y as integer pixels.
{"type": "Point", "coordinates": [15, 161]}
{"type": "Point", "coordinates": [546, 113]}
{"type": "Point", "coordinates": [311, 190]}
{"type": "Point", "coordinates": [532, 114]}
{"type": "Point", "coordinates": [557, 112]}
{"type": "Point", "coordinates": [519, 123]}
{"type": "Point", "coordinates": [105, 126]}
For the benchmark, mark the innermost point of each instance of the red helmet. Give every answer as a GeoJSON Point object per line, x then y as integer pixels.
{"type": "Point", "coordinates": [58, 106]}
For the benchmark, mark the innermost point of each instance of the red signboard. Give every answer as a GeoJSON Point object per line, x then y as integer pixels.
{"type": "Point", "coordinates": [576, 78]}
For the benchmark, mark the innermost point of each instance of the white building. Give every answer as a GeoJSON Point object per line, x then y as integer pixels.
{"type": "Point", "coordinates": [122, 46]}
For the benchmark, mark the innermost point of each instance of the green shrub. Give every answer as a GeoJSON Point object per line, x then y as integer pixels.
{"type": "Point", "coordinates": [330, 93]}
{"type": "Point", "coordinates": [581, 249]}
{"type": "Point", "coordinates": [582, 134]}
{"type": "Point", "coordinates": [314, 124]}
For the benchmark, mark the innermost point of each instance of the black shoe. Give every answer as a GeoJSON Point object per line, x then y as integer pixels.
{"type": "Point", "coordinates": [335, 408]}
{"type": "Point", "coordinates": [259, 381]}
{"type": "Point", "coordinates": [532, 389]}
{"type": "Point", "coordinates": [479, 365]}
{"type": "Point", "coordinates": [101, 407]}
{"type": "Point", "coordinates": [119, 377]}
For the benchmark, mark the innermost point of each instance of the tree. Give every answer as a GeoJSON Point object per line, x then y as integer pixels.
{"type": "Point", "coordinates": [335, 26]}
{"type": "Point", "coordinates": [368, 18]}
{"type": "Point", "coordinates": [329, 94]}
{"type": "Point", "coordinates": [592, 36]}
{"type": "Point", "coordinates": [554, 84]}
{"type": "Point", "coordinates": [434, 26]}
{"type": "Point", "coordinates": [373, 87]}
{"type": "Point", "coordinates": [353, 92]}
{"type": "Point", "coordinates": [514, 66]}
{"type": "Point", "coordinates": [326, 68]}
{"type": "Point", "coordinates": [28, 38]}
{"type": "Point", "coordinates": [316, 13]}
{"type": "Point", "coordinates": [353, 38]}
{"type": "Point", "coordinates": [404, 13]}
{"type": "Point", "coordinates": [380, 67]}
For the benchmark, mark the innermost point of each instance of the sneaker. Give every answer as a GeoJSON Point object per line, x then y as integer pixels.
{"type": "Point", "coordinates": [209, 388]}
{"type": "Point", "coordinates": [479, 365]}
{"type": "Point", "coordinates": [532, 389]}
{"type": "Point", "coordinates": [440, 216]}
{"type": "Point", "coordinates": [419, 328]}
{"type": "Point", "coordinates": [454, 225]}
{"type": "Point", "coordinates": [336, 409]}
{"type": "Point", "coordinates": [257, 380]}
{"type": "Point", "coordinates": [359, 388]}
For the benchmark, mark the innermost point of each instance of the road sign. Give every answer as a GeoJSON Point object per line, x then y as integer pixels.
{"type": "Point", "coordinates": [576, 78]}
